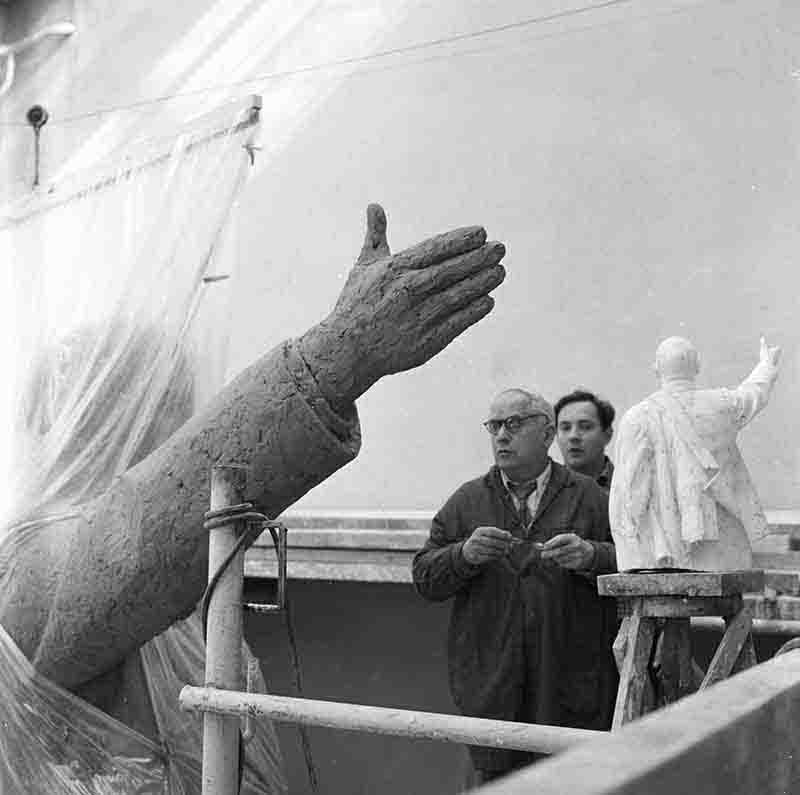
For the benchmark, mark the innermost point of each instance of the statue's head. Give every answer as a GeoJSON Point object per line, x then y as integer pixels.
{"type": "Point", "coordinates": [677, 360]}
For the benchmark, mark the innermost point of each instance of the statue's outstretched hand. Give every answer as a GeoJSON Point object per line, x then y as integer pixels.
{"type": "Point", "coordinates": [769, 355]}
{"type": "Point", "coordinates": [396, 311]}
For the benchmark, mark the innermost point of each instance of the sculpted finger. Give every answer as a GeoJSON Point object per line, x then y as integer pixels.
{"type": "Point", "coordinates": [458, 322]}
{"type": "Point", "coordinates": [375, 243]}
{"type": "Point", "coordinates": [439, 277]}
{"type": "Point", "coordinates": [439, 306]}
{"type": "Point", "coordinates": [439, 248]}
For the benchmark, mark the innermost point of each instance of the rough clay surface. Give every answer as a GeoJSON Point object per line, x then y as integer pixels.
{"type": "Point", "coordinates": [83, 594]}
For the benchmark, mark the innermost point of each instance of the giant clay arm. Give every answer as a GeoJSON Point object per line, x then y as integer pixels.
{"type": "Point", "coordinates": [79, 596]}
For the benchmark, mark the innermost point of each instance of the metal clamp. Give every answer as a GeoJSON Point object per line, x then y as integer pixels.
{"type": "Point", "coordinates": [279, 534]}
{"type": "Point", "coordinates": [242, 512]}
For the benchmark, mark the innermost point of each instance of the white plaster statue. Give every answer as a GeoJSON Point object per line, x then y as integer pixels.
{"type": "Point", "coordinates": [681, 495]}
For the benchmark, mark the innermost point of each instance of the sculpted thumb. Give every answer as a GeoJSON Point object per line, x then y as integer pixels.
{"type": "Point", "coordinates": [375, 244]}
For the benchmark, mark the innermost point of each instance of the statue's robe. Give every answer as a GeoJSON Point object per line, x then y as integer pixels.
{"type": "Point", "coordinates": [681, 495]}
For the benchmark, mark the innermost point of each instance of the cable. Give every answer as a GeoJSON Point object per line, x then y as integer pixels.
{"type": "Point", "coordinates": [305, 740]}
{"type": "Point", "coordinates": [408, 48]}
{"type": "Point", "coordinates": [213, 519]}
{"type": "Point", "coordinates": [223, 516]}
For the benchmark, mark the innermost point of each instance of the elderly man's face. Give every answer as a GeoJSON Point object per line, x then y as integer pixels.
{"type": "Point", "coordinates": [521, 455]}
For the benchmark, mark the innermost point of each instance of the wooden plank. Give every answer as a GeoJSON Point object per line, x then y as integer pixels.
{"type": "Point", "coordinates": [672, 661]}
{"type": "Point", "coordinates": [680, 607]}
{"type": "Point", "coordinates": [739, 737]}
{"type": "Point", "coordinates": [698, 674]}
{"type": "Point", "coordinates": [635, 674]}
{"type": "Point", "coordinates": [690, 583]}
{"type": "Point", "coordinates": [620, 645]}
{"type": "Point", "coordinates": [729, 649]}
{"type": "Point", "coordinates": [747, 656]}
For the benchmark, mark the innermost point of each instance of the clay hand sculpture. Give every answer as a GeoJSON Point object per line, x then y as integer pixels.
{"type": "Point", "coordinates": [682, 496]}
{"type": "Point", "coordinates": [397, 311]}
{"type": "Point", "coordinates": [86, 587]}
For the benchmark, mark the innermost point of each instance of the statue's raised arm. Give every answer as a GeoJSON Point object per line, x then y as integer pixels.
{"type": "Point", "coordinates": [81, 593]}
{"type": "Point", "coordinates": [753, 394]}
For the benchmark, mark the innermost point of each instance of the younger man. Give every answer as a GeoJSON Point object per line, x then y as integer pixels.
{"type": "Point", "coordinates": [584, 426]}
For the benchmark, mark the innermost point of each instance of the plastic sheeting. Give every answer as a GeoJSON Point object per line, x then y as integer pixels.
{"type": "Point", "coordinates": [117, 336]}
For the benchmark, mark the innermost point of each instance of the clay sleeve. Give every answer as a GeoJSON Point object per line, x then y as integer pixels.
{"type": "Point", "coordinates": [81, 594]}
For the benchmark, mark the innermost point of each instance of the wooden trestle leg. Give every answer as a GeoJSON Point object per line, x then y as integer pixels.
{"type": "Point", "coordinates": [653, 646]}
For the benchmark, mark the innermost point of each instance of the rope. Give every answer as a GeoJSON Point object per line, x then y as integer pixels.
{"type": "Point", "coordinates": [213, 519]}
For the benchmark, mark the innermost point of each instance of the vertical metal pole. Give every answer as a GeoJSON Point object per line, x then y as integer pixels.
{"type": "Point", "coordinates": [224, 636]}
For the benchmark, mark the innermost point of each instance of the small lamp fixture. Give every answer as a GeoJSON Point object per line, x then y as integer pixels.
{"type": "Point", "coordinates": [37, 117]}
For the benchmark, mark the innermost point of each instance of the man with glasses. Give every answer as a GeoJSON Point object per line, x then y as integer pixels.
{"type": "Point", "coordinates": [517, 549]}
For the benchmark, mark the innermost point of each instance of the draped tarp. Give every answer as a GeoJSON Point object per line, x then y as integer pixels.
{"type": "Point", "coordinates": [115, 336]}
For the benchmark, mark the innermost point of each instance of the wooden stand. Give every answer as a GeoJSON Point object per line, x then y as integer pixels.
{"type": "Point", "coordinates": [653, 649]}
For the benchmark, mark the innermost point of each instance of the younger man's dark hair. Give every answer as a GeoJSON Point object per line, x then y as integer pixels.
{"type": "Point", "coordinates": [605, 411]}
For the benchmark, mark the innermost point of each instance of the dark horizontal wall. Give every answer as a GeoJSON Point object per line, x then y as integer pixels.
{"type": "Point", "coordinates": [377, 644]}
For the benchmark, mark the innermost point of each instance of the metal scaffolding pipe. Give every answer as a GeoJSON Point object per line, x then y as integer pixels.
{"type": "Point", "coordinates": [220, 774]}
{"type": "Point", "coordinates": [761, 626]}
{"type": "Point", "coordinates": [382, 720]}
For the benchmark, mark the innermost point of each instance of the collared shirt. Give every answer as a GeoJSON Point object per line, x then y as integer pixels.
{"type": "Point", "coordinates": [606, 473]}
{"type": "Point", "coordinates": [536, 496]}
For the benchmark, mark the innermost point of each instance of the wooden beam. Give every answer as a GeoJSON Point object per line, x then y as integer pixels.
{"type": "Point", "coordinates": [634, 676]}
{"type": "Point", "coordinates": [737, 738]}
{"type": "Point", "coordinates": [681, 606]}
{"type": "Point", "coordinates": [684, 583]}
{"type": "Point", "coordinates": [672, 661]}
{"type": "Point", "coordinates": [729, 649]}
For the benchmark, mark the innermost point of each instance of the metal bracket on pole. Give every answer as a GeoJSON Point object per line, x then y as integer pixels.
{"type": "Point", "coordinates": [279, 535]}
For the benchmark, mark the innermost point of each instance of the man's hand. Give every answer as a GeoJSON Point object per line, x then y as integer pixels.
{"type": "Point", "coordinates": [485, 544]}
{"type": "Point", "coordinates": [569, 550]}
{"type": "Point", "coordinates": [769, 355]}
{"type": "Point", "coordinates": [396, 311]}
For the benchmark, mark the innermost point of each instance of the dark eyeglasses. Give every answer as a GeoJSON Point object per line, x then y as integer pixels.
{"type": "Point", "coordinates": [512, 424]}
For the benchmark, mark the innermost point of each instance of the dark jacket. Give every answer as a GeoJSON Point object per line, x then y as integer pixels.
{"type": "Point", "coordinates": [606, 475]}
{"type": "Point", "coordinates": [529, 640]}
